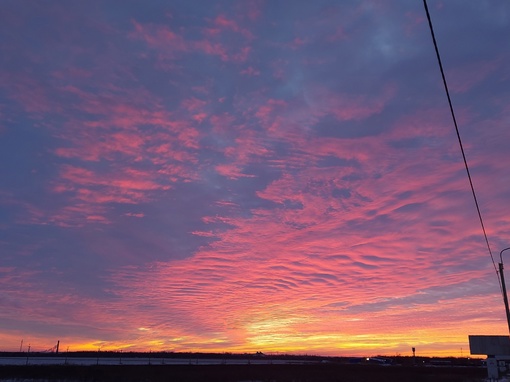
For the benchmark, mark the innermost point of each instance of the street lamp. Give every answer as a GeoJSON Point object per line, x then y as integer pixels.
{"type": "Point", "coordinates": [505, 298]}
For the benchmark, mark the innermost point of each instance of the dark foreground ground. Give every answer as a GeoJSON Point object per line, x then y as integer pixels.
{"type": "Point", "coordinates": [245, 373]}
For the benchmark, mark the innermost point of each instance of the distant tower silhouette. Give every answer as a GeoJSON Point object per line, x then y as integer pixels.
{"type": "Point", "coordinates": [58, 344]}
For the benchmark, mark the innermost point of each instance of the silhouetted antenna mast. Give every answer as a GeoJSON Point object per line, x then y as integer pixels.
{"type": "Point", "coordinates": [505, 297]}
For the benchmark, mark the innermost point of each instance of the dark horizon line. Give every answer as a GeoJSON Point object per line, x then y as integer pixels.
{"type": "Point", "coordinates": [173, 354]}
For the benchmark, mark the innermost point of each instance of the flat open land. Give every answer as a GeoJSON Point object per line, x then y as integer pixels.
{"type": "Point", "coordinates": [245, 373]}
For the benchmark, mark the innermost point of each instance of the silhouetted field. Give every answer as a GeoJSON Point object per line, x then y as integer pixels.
{"type": "Point", "coordinates": [236, 373]}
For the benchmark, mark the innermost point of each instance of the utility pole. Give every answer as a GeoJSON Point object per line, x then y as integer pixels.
{"type": "Point", "coordinates": [503, 286]}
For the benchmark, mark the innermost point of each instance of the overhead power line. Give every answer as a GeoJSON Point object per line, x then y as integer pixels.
{"type": "Point", "coordinates": [458, 136]}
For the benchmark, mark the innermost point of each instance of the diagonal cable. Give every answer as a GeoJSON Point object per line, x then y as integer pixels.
{"type": "Point", "coordinates": [458, 136]}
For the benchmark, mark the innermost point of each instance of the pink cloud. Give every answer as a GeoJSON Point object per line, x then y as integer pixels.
{"type": "Point", "coordinates": [222, 123]}
{"type": "Point", "coordinates": [247, 146]}
{"type": "Point", "coordinates": [347, 107]}
{"type": "Point", "coordinates": [77, 215]}
{"type": "Point", "coordinates": [172, 46]}
{"type": "Point", "coordinates": [250, 71]}
{"type": "Point", "coordinates": [196, 108]}
{"type": "Point", "coordinates": [223, 22]}
{"type": "Point", "coordinates": [298, 43]}
{"type": "Point", "coordinates": [271, 107]}
{"type": "Point", "coordinates": [97, 219]}
{"type": "Point", "coordinates": [306, 295]}
{"type": "Point", "coordinates": [135, 215]}
{"type": "Point", "coordinates": [232, 171]}
{"type": "Point", "coordinates": [116, 127]}
{"type": "Point", "coordinates": [128, 186]}
{"type": "Point", "coordinates": [279, 67]}
{"type": "Point", "coordinates": [242, 54]}
{"type": "Point", "coordinates": [193, 104]}
{"type": "Point", "coordinates": [338, 35]}
{"type": "Point", "coordinates": [252, 9]}
{"type": "Point", "coordinates": [212, 48]}
{"type": "Point", "coordinates": [160, 37]}
{"type": "Point", "coordinates": [30, 93]}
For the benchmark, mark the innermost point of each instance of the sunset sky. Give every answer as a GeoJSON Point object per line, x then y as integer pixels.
{"type": "Point", "coordinates": [242, 176]}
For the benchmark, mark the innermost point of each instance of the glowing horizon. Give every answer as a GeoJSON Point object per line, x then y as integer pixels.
{"type": "Point", "coordinates": [252, 176]}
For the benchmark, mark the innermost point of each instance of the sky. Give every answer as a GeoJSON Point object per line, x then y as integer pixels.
{"type": "Point", "coordinates": [239, 176]}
